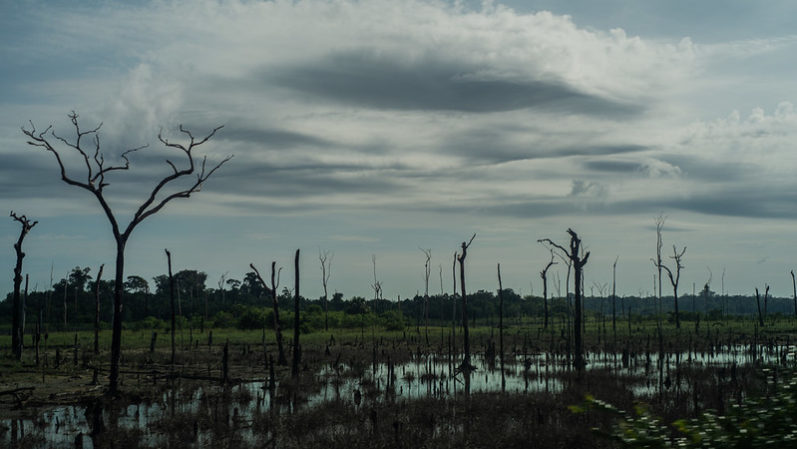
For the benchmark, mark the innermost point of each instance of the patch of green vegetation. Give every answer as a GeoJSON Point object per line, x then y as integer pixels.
{"type": "Point", "coordinates": [769, 420]}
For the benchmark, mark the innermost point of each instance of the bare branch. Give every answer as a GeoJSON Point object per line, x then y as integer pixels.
{"type": "Point", "coordinates": [263, 283]}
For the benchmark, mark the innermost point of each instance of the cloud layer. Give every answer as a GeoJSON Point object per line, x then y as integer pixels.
{"type": "Point", "coordinates": [424, 109]}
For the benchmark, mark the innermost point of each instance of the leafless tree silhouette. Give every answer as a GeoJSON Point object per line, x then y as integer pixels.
{"type": "Point", "coordinates": [544, 276]}
{"type": "Point", "coordinates": [16, 304]}
{"type": "Point", "coordinates": [466, 367]}
{"type": "Point", "coordinates": [573, 253]}
{"type": "Point", "coordinates": [275, 280]}
{"type": "Point", "coordinates": [325, 257]}
{"type": "Point", "coordinates": [758, 304]}
{"type": "Point", "coordinates": [674, 279]}
{"type": "Point", "coordinates": [97, 311]}
{"type": "Point", "coordinates": [96, 172]}
{"type": "Point", "coordinates": [297, 351]}
{"type": "Point", "coordinates": [427, 271]}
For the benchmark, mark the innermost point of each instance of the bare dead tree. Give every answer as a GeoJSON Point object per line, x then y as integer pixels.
{"type": "Point", "coordinates": [97, 311]}
{"type": "Point", "coordinates": [172, 302]}
{"type": "Point", "coordinates": [442, 292]}
{"type": "Point", "coordinates": [66, 288]}
{"type": "Point", "coordinates": [614, 297]}
{"type": "Point", "coordinates": [377, 285]}
{"type": "Point", "coordinates": [544, 276]}
{"type": "Point", "coordinates": [675, 279]}
{"type": "Point", "coordinates": [707, 290]}
{"type": "Point", "coordinates": [766, 301]}
{"type": "Point", "coordinates": [466, 367]}
{"type": "Point", "coordinates": [501, 328]}
{"type": "Point", "coordinates": [96, 171]}
{"type": "Point", "coordinates": [297, 353]}
{"type": "Point", "coordinates": [659, 221]}
{"type": "Point", "coordinates": [573, 254]}
{"type": "Point", "coordinates": [325, 257]}
{"type": "Point", "coordinates": [220, 284]}
{"type": "Point", "coordinates": [454, 304]}
{"type": "Point", "coordinates": [758, 304]}
{"type": "Point", "coordinates": [17, 309]}
{"type": "Point", "coordinates": [427, 270]}
{"type": "Point", "coordinates": [275, 273]}
{"type": "Point", "coordinates": [794, 292]}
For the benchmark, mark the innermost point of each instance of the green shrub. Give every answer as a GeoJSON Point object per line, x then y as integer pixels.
{"type": "Point", "coordinates": [769, 421]}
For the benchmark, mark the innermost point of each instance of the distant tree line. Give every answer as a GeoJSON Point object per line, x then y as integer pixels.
{"type": "Point", "coordinates": [69, 305]}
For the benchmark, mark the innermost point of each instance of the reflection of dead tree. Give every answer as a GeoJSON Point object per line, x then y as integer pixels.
{"type": "Point", "coordinates": [325, 258]}
{"type": "Point", "coordinates": [427, 270]}
{"type": "Point", "coordinates": [275, 280]}
{"type": "Point", "coordinates": [674, 280]}
{"type": "Point", "coordinates": [17, 308]}
{"type": "Point", "coordinates": [573, 254]}
{"type": "Point", "coordinates": [95, 182]}
{"type": "Point", "coordinates": [544, 276]}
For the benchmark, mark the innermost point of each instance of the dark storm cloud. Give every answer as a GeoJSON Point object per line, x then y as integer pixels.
{"type": "Point", "coordinates": [375, 81]}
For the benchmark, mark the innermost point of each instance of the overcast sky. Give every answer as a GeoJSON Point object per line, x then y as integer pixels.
{"type": "Point", "coordinates": [378, 127]}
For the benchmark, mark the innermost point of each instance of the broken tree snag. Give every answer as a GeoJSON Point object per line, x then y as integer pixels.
{"type": "Point", "coordinates": [466, 365]}
{"type": "Point", "coordinates": [326, 271]}
{"type": "Point", "coordinates": [426, 272]}
{"type": "Point", "coordinates": [573, 254]}
{"type": "Point", "coordinates": [674, 280]}
{"type": "Point", "coordinates": [171, 300]}
{"type": "Point", "coordinates": [614, 297]}
{"type": "Point", "coordinates": [544, 276]}
{"type": "Point", "coordinates": [94, 180]}
{"type": "Point", "coordinates": [766, 300]}
{"type": "Point", "coordinates": [501, 328]}
{"type": "Point", "coordinates": [17, 309]}
{"type": "Point", "coordinates": [97, 311]}
{"type": "Point", "coordinates": [297, 353]}
{"type": "Point", "coordinates": [281, 360]}
{"type": "Point", "coordinates": [794, 290]}
{"type": "Point", "coordinates": [758, 304]}
{"type": "Point", "coordinates": [659, 226]}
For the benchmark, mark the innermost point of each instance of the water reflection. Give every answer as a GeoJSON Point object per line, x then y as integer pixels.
{"type": "Point", "coordinates": [198, 415]}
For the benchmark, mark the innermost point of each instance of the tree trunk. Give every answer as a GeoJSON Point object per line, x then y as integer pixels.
{"type": "Point", "coordinates": [172, 303]}
{"type": "Point", "coordinates": [16, 321]}
{"type": "Point", "coordinates": [281, 360]}
{"type": "Point", "coordinates": [794, 290]}
{"type": "Point", "coordinates": [545, 299]}
{"type": "Point", "coordinates": [579, 355]}
{"type": "Point", "coordinates": [97, 311]}
{"type": "Point", "coordinates": [116, 335]}
{"type": "Point", "coordinates": [296, 350]}
{"type": "Point", "coordinates": [501, 328]}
